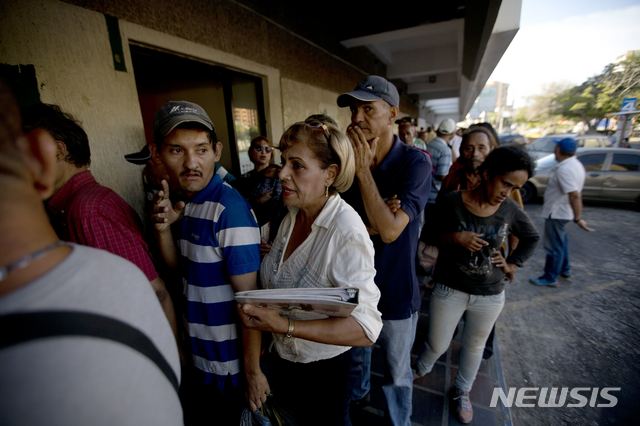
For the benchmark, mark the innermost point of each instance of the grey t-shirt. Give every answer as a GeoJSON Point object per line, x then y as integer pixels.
{"type": "Point", "coordinates": [83, 380]}
{"type": "Point", "coordinates": [473, 272]}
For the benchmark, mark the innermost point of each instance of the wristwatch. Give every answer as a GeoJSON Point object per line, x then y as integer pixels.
{"type": "Point", "coordinates": [577, 220]}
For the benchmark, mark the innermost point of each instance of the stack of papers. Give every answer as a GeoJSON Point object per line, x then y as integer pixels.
{"type": "Point", "coordinates": [304, 303]}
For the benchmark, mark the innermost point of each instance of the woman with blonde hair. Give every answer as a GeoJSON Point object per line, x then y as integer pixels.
{"type": "Point", "coordinates": [322, 242]}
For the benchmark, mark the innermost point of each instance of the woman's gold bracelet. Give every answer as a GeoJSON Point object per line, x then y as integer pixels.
{"type": "Point", "coordinates": [292, 327]}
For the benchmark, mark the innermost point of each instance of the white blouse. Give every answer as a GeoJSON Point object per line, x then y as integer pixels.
{"type": "Point", "coordinates": [337, 253]}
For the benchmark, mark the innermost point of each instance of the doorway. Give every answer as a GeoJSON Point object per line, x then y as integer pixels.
{"type": "Point", "coordinates": [233, 100]}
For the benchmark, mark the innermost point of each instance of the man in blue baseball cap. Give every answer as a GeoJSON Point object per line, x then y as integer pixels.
{"type": "Point", "coordinates": [387, 168]}
{"type": "Point", "coordinates": [562, 203]}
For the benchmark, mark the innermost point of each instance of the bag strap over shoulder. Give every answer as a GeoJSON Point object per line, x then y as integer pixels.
{"type": "Point", "coordinates": [20, 328]}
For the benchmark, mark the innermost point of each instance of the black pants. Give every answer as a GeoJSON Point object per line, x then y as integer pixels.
{"type": "Point", "coordinates": [314, 393]}
{"type": "Point", "coordinates": [206, 405]}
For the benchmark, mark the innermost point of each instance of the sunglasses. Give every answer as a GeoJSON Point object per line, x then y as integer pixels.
{"type": "Point", "coordinates": [265, 149]}
{"type": "Point", "coordinates": [315, 124]}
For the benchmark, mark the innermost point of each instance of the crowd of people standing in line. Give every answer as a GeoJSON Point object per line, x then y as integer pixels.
{"type": "Point", "coordinates": [344, 209]}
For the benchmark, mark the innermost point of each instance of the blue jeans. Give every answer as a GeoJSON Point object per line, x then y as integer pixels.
{"type": "Point", "coordinates": [396, 340]}
{"type": "Point", "coordinates": [445, 310]}
{"type": "Point", "coordinates": [359, 373]}
{"type": "Point", "coordinates": [556, 245]}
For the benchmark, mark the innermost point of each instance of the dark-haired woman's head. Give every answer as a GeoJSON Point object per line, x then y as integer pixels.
{"type": "Point", "coordinates": [260, 152]}
{"type": "Point", "coordinates": [505, 168]}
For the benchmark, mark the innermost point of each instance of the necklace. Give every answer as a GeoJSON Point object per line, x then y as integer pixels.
{"type": "Point", "coordinates": [28, 259]}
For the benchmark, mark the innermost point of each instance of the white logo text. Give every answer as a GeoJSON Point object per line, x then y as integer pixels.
{"type": "Point", "coordinates": [546, 397]}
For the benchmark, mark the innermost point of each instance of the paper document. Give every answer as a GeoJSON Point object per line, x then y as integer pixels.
{"type": "Point", "coordinates": [304, 303]}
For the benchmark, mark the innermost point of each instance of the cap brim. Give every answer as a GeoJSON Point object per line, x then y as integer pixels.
{"type": "Point", "coordinates": [140, 157]}
{"type": "Point", "coordinates": [345, 99]}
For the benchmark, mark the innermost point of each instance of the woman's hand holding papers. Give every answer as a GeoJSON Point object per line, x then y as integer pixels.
{"type": "Point", "coordinates": [263, 319]}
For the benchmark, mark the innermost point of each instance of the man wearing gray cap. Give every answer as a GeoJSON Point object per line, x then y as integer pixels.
{"type": "Point", "coordinates": [387, 168]}
{"type": "Point", "coordinates": [217, 253]}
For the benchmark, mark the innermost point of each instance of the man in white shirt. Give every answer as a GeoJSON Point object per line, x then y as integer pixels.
{"type": "Point", "coordinates": [455, 143]}
{"type": "Point", "coordinates": [562, 203]}
{"type": "Point", "coordinates": [446, 131]}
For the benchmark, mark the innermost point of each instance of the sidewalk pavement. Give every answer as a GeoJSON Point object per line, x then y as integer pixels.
{"type": "Point", "coordinates": [431, 406]}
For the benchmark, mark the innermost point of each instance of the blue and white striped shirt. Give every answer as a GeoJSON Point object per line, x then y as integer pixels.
{"type": "Point", "coordinates": [218, 238]}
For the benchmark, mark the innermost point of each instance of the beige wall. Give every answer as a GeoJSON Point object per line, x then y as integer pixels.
{"type": "Point", "coordinates": [229, 27]}
{"type": "Point", "coordinates": [70, 50]}
{"type": "Point", "coordinates": [300, 100]}
{"type": "Point", "coordinates": [69, 47]}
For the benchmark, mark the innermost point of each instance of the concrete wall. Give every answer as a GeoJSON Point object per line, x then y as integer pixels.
{"type": "Point", "coordinates": [229, 27]}
{"type": "Point", "coordinates": [300, 100]}
{"type": "Point", "coordinates": [68, 45]}
{"type": "Point", "coordinates": [70, 50]}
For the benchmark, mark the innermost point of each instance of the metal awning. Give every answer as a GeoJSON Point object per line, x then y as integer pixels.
{"type": "Point", "coordinates": [440, 53]}
{"type": "Point", "coordinates": [435, 61]}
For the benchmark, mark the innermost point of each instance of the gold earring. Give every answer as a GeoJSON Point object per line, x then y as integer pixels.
{"type": "Point", "coordinates": [326, 191]}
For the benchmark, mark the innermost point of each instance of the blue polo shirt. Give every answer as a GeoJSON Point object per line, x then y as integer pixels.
{"type": "Point", "coordinates": [218, 238]}
{"type": "Point", "coordinates": [405, 172]}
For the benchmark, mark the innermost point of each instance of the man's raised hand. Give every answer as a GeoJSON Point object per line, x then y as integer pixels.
{"type": "Point", "coordinates": [164, 212]}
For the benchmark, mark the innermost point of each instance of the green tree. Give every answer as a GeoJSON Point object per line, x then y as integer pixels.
{"type": "Point", "coordinates": [622, 81]}
{"type": "Point", "coordinates": [603, 93]}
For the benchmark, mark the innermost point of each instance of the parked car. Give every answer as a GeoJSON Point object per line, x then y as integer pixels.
{"type": "Point", "coordinates": [545, 145]}
{"type": "Point", "coordinates": [613, 174]}
{"type": "Point", "coordinates": [512, 138]}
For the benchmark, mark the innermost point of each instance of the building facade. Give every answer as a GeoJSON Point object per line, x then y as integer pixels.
{"type": "Point", "coordinates": [113, 63]}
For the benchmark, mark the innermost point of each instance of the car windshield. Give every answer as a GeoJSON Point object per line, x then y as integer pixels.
{"type": "Point", "coordinates": [543, 144]}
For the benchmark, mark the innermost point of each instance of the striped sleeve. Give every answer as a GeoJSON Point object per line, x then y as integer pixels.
{"type": "Point", "coordinates": [238, 237]}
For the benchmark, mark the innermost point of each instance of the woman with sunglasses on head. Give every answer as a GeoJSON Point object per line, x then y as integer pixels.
{"type": "Point", "coordinates": [261, 187]}
{"type": "Point", "coordinates": [321, 243]}
{"type": "Point", "coordinates": [471, 269]}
